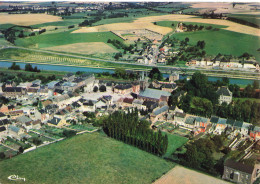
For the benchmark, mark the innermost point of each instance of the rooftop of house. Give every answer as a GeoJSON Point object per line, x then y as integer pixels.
{"type": "Point", "coordinates": [4, 122]}
{"type": "Point", "coordinates": [180, 115]}
{"type": "Point", "coordinates": [230, 122]}
{"type": "Point", "coordinates": [137, 101]}
{"type": "Point", "coordinates": [128, 100]}
{"type": "Point", "coordinates": [169, 86]}
{"type": "Point", "coordinates": [214, 119]}
{"type": "Point", "coordinates": [154, 93]}
{"type": "Point", "coordinates": [256, 129]}
{"type": "Point", "coordinates": [2, 129]}
{"type": "Point", "coordinates": [238, 124]}
{"type": "Point", "coordinates": [246, 125]}
{"type": "Point", "coordinates": [239, 166]}
{"type": "Point", "coordinates": [201, 119]}
{"type": "Point", "coordinates": [123, 87]}
{"type": "Point", "coordinates": [222, 121]}
{"type": "Point", "coordinates": [54, 121]}
{"type": "Point", "coordinates": [14, 128]}
{"type": "Point", "coordinates": [158, 110]}
{"type": "Point", "coordinates": [2, 115]}
{"type": "Point", "coordinates": [190, 120]}
{"type": "Point", "coordinates": [224, 91]}
{"type": "Point", "coordinates": [23, 119]}
{"type": "Point", "coordinates": [13, 89]}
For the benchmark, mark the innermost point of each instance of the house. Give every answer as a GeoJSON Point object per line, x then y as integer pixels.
{"type": "Point", "coordinates": [240, 173]}
{"type": "Point", "coordinates": [174, 77]}
{"type": "Point", "coordinates": [1, 87]}
{"type": "Point", "coordinates": [4, 108]}
{"type": "Point", "coordinates": [2, 116]}
{"type": "Point", "coordinates": [15, 131]}
{"type": "Point", "coordinates": [190, 122]}
{"type": "Point", "coordinates": [169, 87]}
{"type": "Point", "coordinates": [15, 114]}
{"type": "Point", "coordinates": [224, 95]}
{"type": "Point", "coordinates": [23, 119]}
{"type": "Point", "coordinates": [230, 123]}
{"type": "Point", "coordinates": [57, 122]}
{"type": "Point", "coordinates": [89, 106]}
{"type": "Point", "coordinates": [158, 113]}
{"type": "Point", "coordinates": [245, 128]}
{"type": "Point", "coordinates": [36, 124]}
{"type": "Point", "coordinates": [255, 133]}
{"type": "Point", "coordinates": [14, 91]}
{"type": "Point", "coordinates": [69, 77]}
{"type": "Point", "coordinates": [150, 105]}
{"type": "Point", "coordinates": [138, 104]}
{"type": "Point", "coordinates": [3, 132]}
{"type": "Point", "coordinates": [201, 125]}
{"type": "Point", "coordinates": [123, 89]}
{"type": "Point", "coordinates": [127, 102]}
{"type": "Point", "coordinates": [221, 125]}
{"type": "Point", "coordinates": [154, 95]}
{"type": "Point", "coordinates": [179, 118]}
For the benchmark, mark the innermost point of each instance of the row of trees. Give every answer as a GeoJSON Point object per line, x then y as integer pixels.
{"type": "Point", "coordinates": [247, 111]}
{"type": "Point", "coordinates": [28, 67]}
{"type": "Point", "coordinates": [127, 128]}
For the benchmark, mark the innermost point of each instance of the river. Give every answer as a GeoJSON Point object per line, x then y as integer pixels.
{"type": "Point", "coordinates": [100, 70]}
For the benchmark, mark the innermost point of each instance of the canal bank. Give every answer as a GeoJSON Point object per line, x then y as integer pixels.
{"type": "Point", "coordinates": [62, 68]}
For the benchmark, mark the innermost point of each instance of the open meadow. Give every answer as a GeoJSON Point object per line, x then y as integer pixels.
{"type": "Point", "coordinates": [87, 158]}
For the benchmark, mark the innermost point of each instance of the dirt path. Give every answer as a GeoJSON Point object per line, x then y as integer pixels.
{"type": "Point", "coordinates": [181, 175]}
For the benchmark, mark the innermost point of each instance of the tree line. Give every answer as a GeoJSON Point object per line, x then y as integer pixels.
{"type": "Point", "coordinates": [127, 128]}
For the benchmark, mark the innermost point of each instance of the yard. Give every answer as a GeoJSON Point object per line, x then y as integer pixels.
{"type": "Point", "coordinates": [82, 127]}
{"type": "Point", "coordinates": [174, 142]}
{"type": "Point", "coordinates": [86, 158]}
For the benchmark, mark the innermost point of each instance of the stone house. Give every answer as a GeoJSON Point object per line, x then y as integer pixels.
{"type": "Point", "coordinates": [224, 95]}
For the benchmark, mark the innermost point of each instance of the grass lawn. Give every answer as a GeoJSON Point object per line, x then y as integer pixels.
{"type": "Point", "coordinates": [169, 24]}
{"type": "Point", "coordinates": [62, 38]}
{"type": "Point", "coordinates": [64, 22]}
{"type": "Point", "coordinates": [86, 158]}
{"type": "Point", "coordinates": [174, 142]}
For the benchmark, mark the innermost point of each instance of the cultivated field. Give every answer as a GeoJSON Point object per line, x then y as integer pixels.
{"type": "Point", "coordinates": [147, 23]}
{"type": "Point", "coordinates": [27, 19]}
{"type": "Point", "coordinates": [87, 158]}
{"type": "Point", "coordinates": [183, 175]}
{"type": "Point", "coordinates": [84, 48]}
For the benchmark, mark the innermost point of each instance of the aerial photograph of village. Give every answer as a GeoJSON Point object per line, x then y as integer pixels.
{"type": "Point", "coordinates": [143, 92]}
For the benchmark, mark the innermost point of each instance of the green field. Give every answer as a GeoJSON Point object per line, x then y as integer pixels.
{"type": "Point", "coordinates": [257, 100]}
{"type": "Point", "coordinates": [174, 142]}
{"type": "Point", "coordinates": [252, 18]}
{"type": "Point", "coordinates": [87, 158]}
{"type": "Point", "coordinates": [224, 42]}
{"type": "Point", "coordinates": [64, 22]}
{"type": "Point", "coordinates": [63, 38]}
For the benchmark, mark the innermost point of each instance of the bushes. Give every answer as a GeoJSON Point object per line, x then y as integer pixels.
{"type": "Point", "coordinates": [69, 133]}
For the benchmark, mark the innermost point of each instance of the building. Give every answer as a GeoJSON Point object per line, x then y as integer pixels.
{"type": "Point", "coordinates": [240, 173]}
{"type": "Point", "coordinates": [123, 89]}
{"type": "Point", "coordinates": [158, 113]}
{"type": "Point", "coordinates": [224, 95]}
{"type": "Point", "coordinates": [255, 133]}
{"type": "Point", "coordinates": [154, 95]}
{"type": "Point", "coordinates": [179, 118]}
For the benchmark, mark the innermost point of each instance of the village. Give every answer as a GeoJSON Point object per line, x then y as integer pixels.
{"type": "Point", "coordinates": [37, 114]}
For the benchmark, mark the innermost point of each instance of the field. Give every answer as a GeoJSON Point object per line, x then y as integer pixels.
{"type": "Point", "coordinates": [87, 158]}
{"type": "Point", "coordinates": [84, 48]}
{"type": "Point", "coordinates": [147, 23]}
{"type": "Point", "coordinates": [64, 38]}
{"type": "Point", "coordinates": [183, 175]}
{"type": "Point", "coordinates": [27, 19]}
{"type": "Point", "coordinates": [252, 18]}
{"type": "Point", "coordinates": [174, 142]}
{"type": "Point", "coordinates": [224, 42]}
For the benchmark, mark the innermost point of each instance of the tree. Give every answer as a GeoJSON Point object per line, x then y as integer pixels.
{"type": "Point", "coordinates": [69, 133]}
{"type": "Point", "coordinates": [102, 88]}
{"type": "Point", "coordinates": [95, 89]}
{"type": "Point", "coordinates": [28, 67]}
{"type": "Point", "coordinates": [256, 84]}
{"type": "Point", "coordinates": [187, 39]}
{"type": "Point", "coordinates": [2, 155]}
{"type": "Point", "coordinates": [155, 74]}
{"type": "Point", "coordinates": [14, 67]}
{"type": "Point", "coordinates": [120, 72]}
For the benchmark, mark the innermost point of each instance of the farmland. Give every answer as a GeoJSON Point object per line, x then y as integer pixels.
{"type": "Point", "coordinates": [147, 23]}
{"type": "Point", "coordinates": [63, 38]}
{"type": "Point", "coordinates": [27, 19]}
{"type": "Point", "coordinates": [85, 48]}
{"type": "Point", "coordinates": [181, 174]}
{"type": "Point", "coordinates": [92, 158]}
{"type": "Point", "coordinates": [225, 42]}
